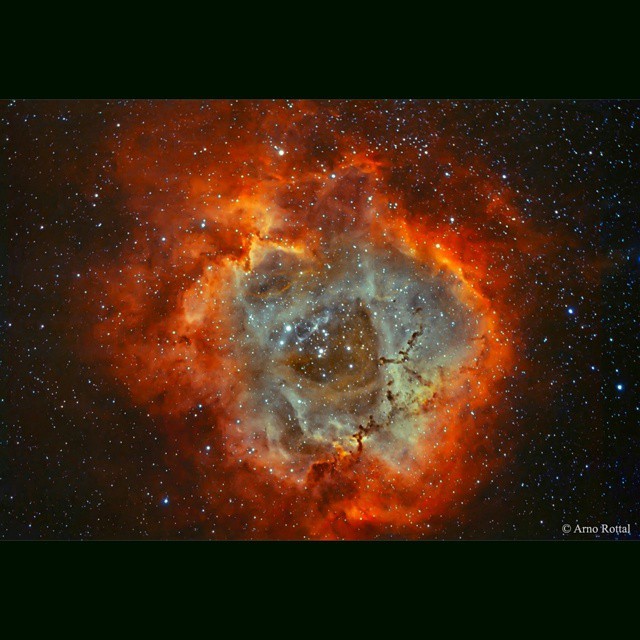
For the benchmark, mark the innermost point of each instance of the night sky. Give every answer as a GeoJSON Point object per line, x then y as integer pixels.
{"type": "Point", "coordinates": [367, 319]}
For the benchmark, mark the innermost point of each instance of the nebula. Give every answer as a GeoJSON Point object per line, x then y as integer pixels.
{"type": "Point", "coordinates": [342, 318]}
{"type": "Point", "coordinates": [320, 319]}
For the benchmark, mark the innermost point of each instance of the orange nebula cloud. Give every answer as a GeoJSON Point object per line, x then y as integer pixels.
{"type": "Point", "coordinates": [278, 245]}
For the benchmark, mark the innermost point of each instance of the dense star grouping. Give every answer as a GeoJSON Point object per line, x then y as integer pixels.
{"type": "Point", "coordinates": [342, 319]}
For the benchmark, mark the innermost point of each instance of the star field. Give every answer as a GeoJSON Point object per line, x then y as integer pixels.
{"type": "Point", "coordinates": [320, 320]}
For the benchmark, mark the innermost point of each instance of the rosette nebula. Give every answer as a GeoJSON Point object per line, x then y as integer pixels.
{"type": "Point", "coordinates": [322, 319]}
